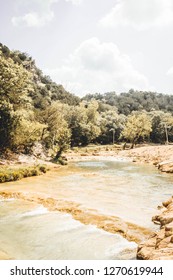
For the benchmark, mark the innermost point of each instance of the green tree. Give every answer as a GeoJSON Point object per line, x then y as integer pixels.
{"type": "Point", "coordinates": [138, 126]}
{"type": "Point", "coordinates": [84, 123]}
{"type": "Point", "coordinates": [111, 125]}
{"type": "Point", "coordinates": [162, 126]}
{"type": "Point", "coordinates": [6, 124]}
{"type": "Point", "coordinates": [56, 134]}
{"type": "Point", "coordinates": [15, 83]}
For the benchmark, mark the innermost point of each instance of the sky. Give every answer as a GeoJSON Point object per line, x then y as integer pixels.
{"type": "Point", "coordinates": [92, 46]}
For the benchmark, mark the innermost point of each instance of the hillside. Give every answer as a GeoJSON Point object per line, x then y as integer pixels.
{"type": "Point", "coordinates": [37, 112]}
{"type": "Point", "coordinates": [127, 102]}
{"type": "Point", "coordinates": [45, 90]}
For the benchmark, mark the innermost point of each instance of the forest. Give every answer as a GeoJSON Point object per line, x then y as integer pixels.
{"type": "Point", "coordinates": [34, 110]}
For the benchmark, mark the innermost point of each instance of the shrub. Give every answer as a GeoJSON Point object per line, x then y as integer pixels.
{"type": "Point", "coordinates": [43, 168]}
{"type": "Point", "coordinates": [8, 174]}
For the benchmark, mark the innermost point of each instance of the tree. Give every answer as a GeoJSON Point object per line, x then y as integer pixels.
{"type": "Point", "coordinates": [56, 134]}
{"type": "Point", "coordinates": [162, 124]}
{"type": "Point", "coordinates": [138, 126]}
{"type": "Point", "coordinates": [6, 123]}
{"type": "Point", "coordinates": [15, 83]}
{"type": "Point", "coordinates": [84, 123]}
{"type": "Point", "coordinates": [111, 125]}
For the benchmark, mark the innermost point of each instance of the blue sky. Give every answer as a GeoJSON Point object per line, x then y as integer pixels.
{"type": "Point", "coordinates": [95, 45]}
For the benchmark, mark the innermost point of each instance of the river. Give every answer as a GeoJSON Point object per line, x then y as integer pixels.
{"type": "Point", "coordinates": [93, 192]}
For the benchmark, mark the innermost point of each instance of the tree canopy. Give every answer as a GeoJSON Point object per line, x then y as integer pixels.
{"type": "Point", "coordinates": [34, 109]}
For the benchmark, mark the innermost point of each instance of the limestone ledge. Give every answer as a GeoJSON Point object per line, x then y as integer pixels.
{"type": "Point", "coordinates": [159, 246]}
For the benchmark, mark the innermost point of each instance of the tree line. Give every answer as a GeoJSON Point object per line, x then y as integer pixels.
{"type": "Point", "coordinates": [34, 109]}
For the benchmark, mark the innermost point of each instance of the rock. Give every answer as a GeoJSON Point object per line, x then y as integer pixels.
{"type": "Point", "coordinates": [166, 218]}
{"type": "Point", "coordinates": [166, 166]}
{"type": "Point", "coordinates": [144, 253]}
{"type": "Point", "coordinates": [163, 244]}
{"type": "Point", "coordinates": [169, 227]}
{"type": "Point", "coordinates": [156, 220]}
{"type": "Point", "coordinates": [160, 245]}
{"type": "Point", "coordinates": [167, 202]}
{"type": "Point", "coordinates": [159, 237]}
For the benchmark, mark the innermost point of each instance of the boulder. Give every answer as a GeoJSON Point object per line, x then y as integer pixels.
{"type": "Point", "coordinates": [160, 245]}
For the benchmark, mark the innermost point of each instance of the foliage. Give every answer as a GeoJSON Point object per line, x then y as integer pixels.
{"type": "Point", "coordinates": [56, 134]}
{"type": "Point", "coordinates": [15, 83]}
{"type": "Point", "coordinates": [34, 109]}
{"type": "Point", "coordinates": [25, 134]}
{"type": "Point", "coordinates": [9, 174]}
{"type": "Point", "coordinates": [138, 127]}
{"type": "Point", "coordinates": [6, 124]}
{"type": "Point", "coordinates": [84, 123]}
{"type": "Point", "coordinates": [111, 125]}
{"type": "Point", "coordinates": [127, 102]}
{"type": "Point", "coordinates": [162, 126]}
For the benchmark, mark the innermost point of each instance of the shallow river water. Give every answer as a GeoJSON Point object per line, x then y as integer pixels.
{"type": "Point", "coordinates": [130, 191]}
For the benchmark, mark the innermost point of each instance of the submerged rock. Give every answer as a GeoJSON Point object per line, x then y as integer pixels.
{"type": "Point", "coordinates": [159, 246]}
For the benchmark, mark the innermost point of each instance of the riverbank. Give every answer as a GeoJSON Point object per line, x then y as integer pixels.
{"type": "Point", "coordinates": [160, 156]}
{"type": "Point", "coordinates": [20, 166]}
{"type": "Point", "coordinates": [160, 244]}
{"type": "Point", "coordinates": [14, 173]}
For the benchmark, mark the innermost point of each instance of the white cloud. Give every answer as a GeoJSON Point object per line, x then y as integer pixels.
{"type": "Point", "coordinates": [141, 14]}
{"type": "Point", "coordinates": [33, 19]}
{"type": "Point", "coordinates": [98, 67]}
{"type": "Point", "coordinates": [40, 16]}
{"type": "Point", "coordinates": [42, 13]}
{"type": "Point", "coordinates": [170, 72]}
{"type": "Point", "coordinates": [75, 2]}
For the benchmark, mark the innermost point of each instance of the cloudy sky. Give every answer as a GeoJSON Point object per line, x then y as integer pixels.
{"type": "Point", "coordinates": [95, 45]}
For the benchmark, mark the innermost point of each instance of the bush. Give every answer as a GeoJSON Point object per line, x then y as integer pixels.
{"type": "Point", "coordinates": [62, 161]}
{"type": "Point", "coordinates": [43, 168]}
{"type": "Point", "coordinates": [8, 175]}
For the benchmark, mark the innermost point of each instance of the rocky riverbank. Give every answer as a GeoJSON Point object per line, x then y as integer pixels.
{"type": "Point", "coordinates": [160, 155]}
{"type": "Point", "coordinates": [159, 246]}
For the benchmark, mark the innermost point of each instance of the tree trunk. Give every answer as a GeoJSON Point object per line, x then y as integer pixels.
{"type": "Point", "coordinates": [59, 154]}
{"type": "Point", "coordinates": [124, 146]}
{"type": "Point", "coordinates": [133, 144]}
{"type": "Point", "coordinates": [166, 134]}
